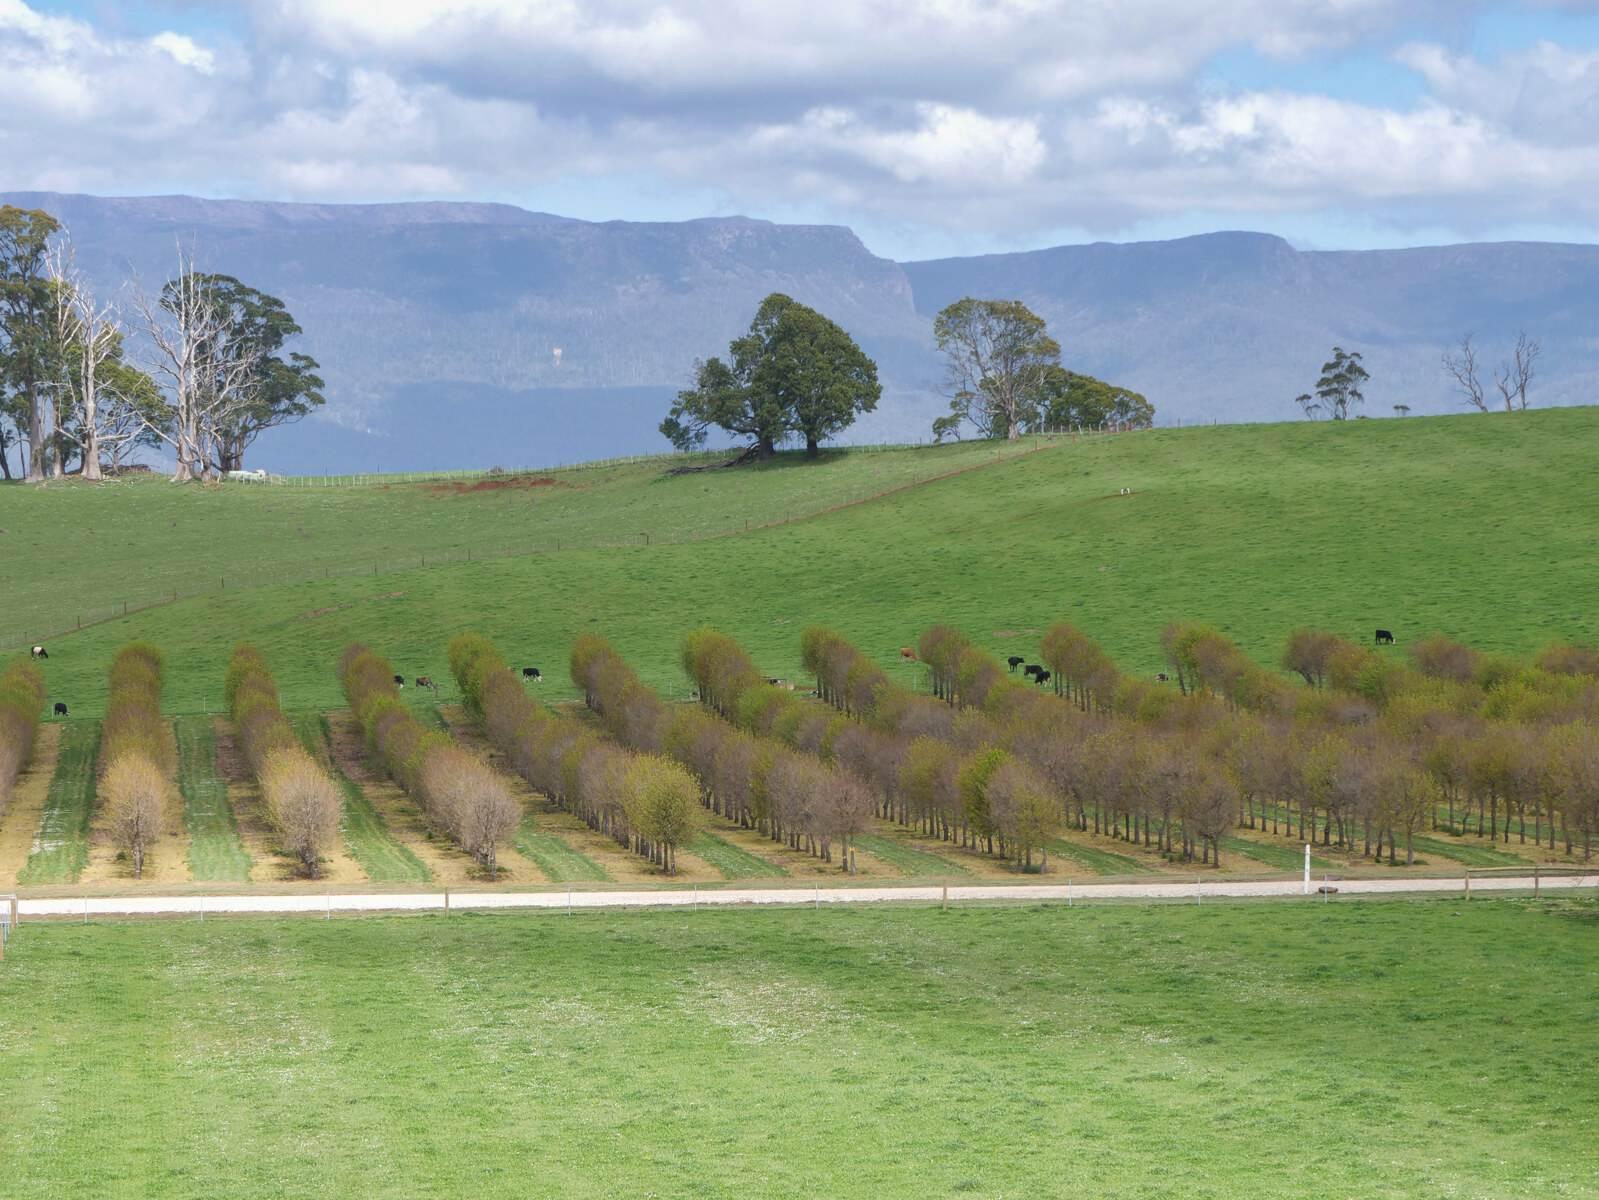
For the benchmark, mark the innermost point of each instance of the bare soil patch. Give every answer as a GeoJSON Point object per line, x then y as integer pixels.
{"type": "Point", "coordinates": [19, 819]}
{"type": "Point", "coordinates": [462, 487]}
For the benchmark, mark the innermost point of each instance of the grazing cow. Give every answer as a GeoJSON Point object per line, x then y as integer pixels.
{"type": "Point", "coordinates": [1163, 677]}
{"type": "Point", "coordinates": [533, 673]}
{"type": "Point", "coordinates": [1043, 677]}
{"type": "Point", "coordinates": [1015, 660]}
{"type": "Point", "coordinates": [426, 681]}
{"type": "Point", "coordinates": [61, 709]}
{"type": "Point", "coordinates": [1384, 638]}
{"type": "Point", "coordinates": [399, 681]}
{"type": "Point", "coordinates": [906, 653]}
{"type": "Point", "coordinates": [1032, 670]}
{"type": "Point", "coordinates": [40, 652]}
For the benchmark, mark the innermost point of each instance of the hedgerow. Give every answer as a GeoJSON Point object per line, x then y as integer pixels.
{"type": "Point", "coordinates": [137, 753]}
{"type": "Point", "coordinates": [22, 696]}
{"type": "Point", "coordinates": [640, 798]}
{"type": "Point", "coordinates": [301, 799]}
{"type": "Point", "coordinates": [461, 796]}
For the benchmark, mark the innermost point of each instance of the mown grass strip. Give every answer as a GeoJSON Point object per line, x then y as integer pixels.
{"type": "Point", "coordinates": [907, 858]}
{"type": "Point", "coordinates": [555, 858]}
{"type": "Point", "coordinates": [1465, 852]}
{"type": "Point", "coordinates": [215, 851]}
{"type": "Point", "coordinates": [1100, 862]}
{"type": "Point", "coordinates": [63, 838]}
{"type": "Point", "coordinates": [1280, 858]}
{"type": "Point", "coordinates": [383, 857]}
{"type": "Point", "coordinates": [732, 861]}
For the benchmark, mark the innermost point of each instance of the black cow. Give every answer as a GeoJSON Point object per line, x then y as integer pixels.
{"type": "Point", "coordinates": [426, 681]}
{"type": "Point", "coordinates": [533, 673]}
{"type": "Point", "coordinates": [1163, 677]}
{"type": "Point", "coordinates": [399, 681]}
{"type": "Point", "coordinates": [1032, 670]}
{"type": "Point", "coordinates": [40, 652]}
{"type": "Point", "coordinates": [1384, 638]}
{"type": "Point", "coordinates": [1043, 677]}
{"type": "Point", "coordinates": [1015, 660]}
{"type": "Point", "coordinates": [61, 709]}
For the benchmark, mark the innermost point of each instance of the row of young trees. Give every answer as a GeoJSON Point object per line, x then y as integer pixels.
{"type": "Point", "coordinates": [22, 695]}
{"type": "Point", "coordinates": [138, 757]}
{"type": "Point", "coordinates": [461, 796]}
{"type": "Point", "coordinates": [1370, 751]}
{"type": "Point", "coordinates": [976, 795]}
{"type": "Point", "coordinates": [301, 799]}
{"type": "Point", "coordinates": [643, 801]}
{"type": "Point", "coordinates": [215, 374]}
{"type": "Point", "coordinates": [744, 775]}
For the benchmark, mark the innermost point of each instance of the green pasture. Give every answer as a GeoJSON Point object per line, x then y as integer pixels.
{"type": "Point", "coordinates": [382, 856]}
{"type": "Point", "coordinates": [1482, 527]}
{"type": "Point", "coordinates": [215, 851]}
{"type": "Point", "coordinates": [554, 857]}
{"type": "Point", "coordinates": [1233, 1050]}
{"type": "Point", "coordinates": [63, 838]}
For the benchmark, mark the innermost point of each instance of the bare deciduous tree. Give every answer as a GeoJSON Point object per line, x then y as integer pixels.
{"type": "Point", "coordinates": [204, 363]}
{"type": "Point", "coordinates": [1513, 379]}
{"type": "Point", "coordinates": [303, 804]}
{"type": "Point", "coordinates": [135, 792]}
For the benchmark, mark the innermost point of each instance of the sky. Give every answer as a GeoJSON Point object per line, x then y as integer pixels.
{"type": "Point", "coordinates": [931, 127]}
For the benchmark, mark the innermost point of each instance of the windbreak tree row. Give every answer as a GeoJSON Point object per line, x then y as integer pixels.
{"type": "Point", "coordinates": [138, 757]}
{"type": "Point", "coordinates": [642, 800]}
{"type": "Point", "coordinates": [1369, 751]}
{"type": "Point", "coordinates": [791, 797]}
{"type": "Point", "coordinates": [21, 706]}
{"type": "Point", "coordinates": [301, 799]}
{"type": "Point", "coordinates": [461, 796]}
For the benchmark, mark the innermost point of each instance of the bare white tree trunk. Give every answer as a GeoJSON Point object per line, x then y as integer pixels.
{"type": "Point", "coordinates": [197, 357]}
{"type": "Point", "coordinates": [88, 334]}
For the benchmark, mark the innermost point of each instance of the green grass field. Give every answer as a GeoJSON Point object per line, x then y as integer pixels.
{"type": "Point", "coordinates": [554, 857]}
{"type": "Point", "coordinates": [908, 859]}
{"type": "Point", "coordinates": [63, 837]}
{"type": "Point", "coordinates": [1275, 855]}
{"type": "Point", "coordinates": [215, 851]}
{"type": "Point", "coordinates": [1406, 525]}
{"type": "Point", "coordinates": [1230, 1051]}
{"type": "Point", "coordinates": [732, 861]}
{"type": "Point", "coordinates": [1100, 862]}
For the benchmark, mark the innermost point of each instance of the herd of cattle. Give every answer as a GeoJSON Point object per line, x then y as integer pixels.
{"type": "Point", "coordinates": [1033, 671]}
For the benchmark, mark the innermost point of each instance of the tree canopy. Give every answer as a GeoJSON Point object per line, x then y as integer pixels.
{"type": "Point", "coordinates": [1069, 399]}
{"type": "Point", "coordinates": [1338, 389]}
{"type": "Point", "coordinates": [999, 355]}
{"type": "Point", "coordinates": [281, 389]}
{"type": "Point", "coordinates": [26, 298]}
{"type": "Point", "coordinates": [795, 373]}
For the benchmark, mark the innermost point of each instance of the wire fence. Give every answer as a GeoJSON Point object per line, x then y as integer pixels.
{"type": "Point", "coordinates": [185, 582]}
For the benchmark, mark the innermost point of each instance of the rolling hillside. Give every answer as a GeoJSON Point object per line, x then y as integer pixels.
{"type": "Point", "coordinates": [1479, 527]}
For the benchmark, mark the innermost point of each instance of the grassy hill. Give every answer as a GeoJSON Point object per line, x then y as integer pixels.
{"type": "Point", "coordinates": [1482, 527]}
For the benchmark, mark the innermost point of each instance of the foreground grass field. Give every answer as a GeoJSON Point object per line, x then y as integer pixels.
{"type": "Point", "coordinates": [1234, 1050]}
{"type": "Point", "coordinates": [1409, 525]}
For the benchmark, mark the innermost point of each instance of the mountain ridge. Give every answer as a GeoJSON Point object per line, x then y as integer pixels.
{"type": "Point", "coordinates": [457, 300]}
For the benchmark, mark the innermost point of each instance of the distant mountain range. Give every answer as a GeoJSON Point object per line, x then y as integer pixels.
{"type": "Point", "coordinates": [438, 324]}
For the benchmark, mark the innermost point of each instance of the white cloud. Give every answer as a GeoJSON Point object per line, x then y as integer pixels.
{"type": "Point", "coordinates": [1006, 117]}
